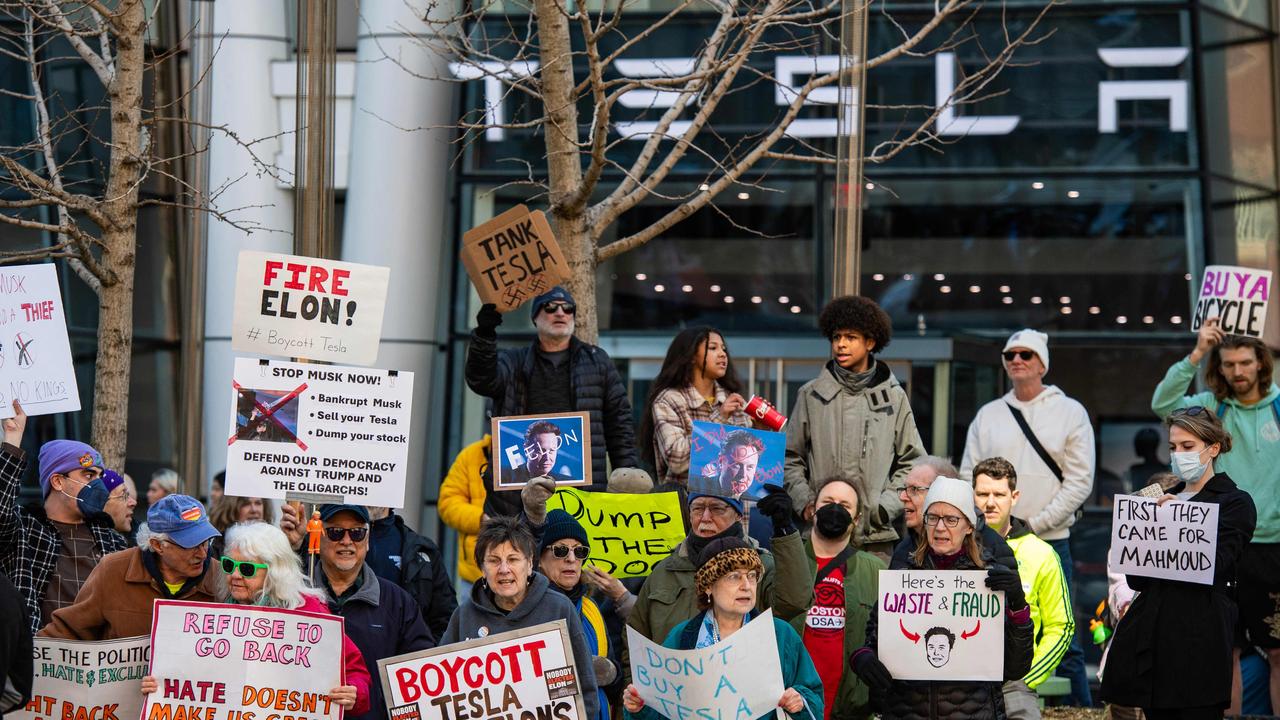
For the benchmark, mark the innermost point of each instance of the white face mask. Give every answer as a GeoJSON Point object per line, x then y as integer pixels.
{"type": "Point", "coordinates": [1187, 465]}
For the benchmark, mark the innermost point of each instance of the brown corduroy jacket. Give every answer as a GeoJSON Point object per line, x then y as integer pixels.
{"type": "Point", "coordinates": [116, 600]}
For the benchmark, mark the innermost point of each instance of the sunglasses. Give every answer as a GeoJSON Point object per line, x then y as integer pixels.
{"type": "Point", "coordinates": [357, 534]}
{"type": "Point", "coordinates": [562, 551]}
{"type": "Point", "coordinates": [1192, 411]}
{"type": "Point", "coordinates": [1026, 355]}
{"type": "Point", "coordinates": [551, 307]}
{"type": "Point", "coordinates": [247, 569]}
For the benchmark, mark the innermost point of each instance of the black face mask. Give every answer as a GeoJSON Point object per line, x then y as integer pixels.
{"type": "Point", "coordinates": [697, 544]}
{"type": "Point", "coordinates": [832, 521]}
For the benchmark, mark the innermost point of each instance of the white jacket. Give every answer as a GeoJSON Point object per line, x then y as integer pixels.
{"type": "Point", "coordinates": [1063, 428]}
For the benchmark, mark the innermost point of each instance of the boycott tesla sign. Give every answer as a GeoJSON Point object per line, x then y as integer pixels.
{"type": "Point", "coordinates": [789, 76]}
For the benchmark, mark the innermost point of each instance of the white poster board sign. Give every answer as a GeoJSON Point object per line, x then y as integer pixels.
{"type": "Point", "coordinates": [307, 307]}
{"type": "Point", "coordinates": [1237, 296]}
{"type": "Point", "coordinates": [35, 355]}
{"type": "Point", "coordinates": [738, 677]}
{"type": "Point", "coordinates": [322, 433]}
{"type": "Point", "coordinates": [1175, 541]}
{"type": "Point", "coordinates": [525, 673]}
{"type": "Point", "coordinates": [77, 680]}
{"type": "Point", "coordinates": [216, 661]}
{"type": "Point", "coordinates": [940, 625]}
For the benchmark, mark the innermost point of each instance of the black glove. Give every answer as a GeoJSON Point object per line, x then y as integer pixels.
{"type": "Point", "coordinates": [776, 504]}
{"type": "Point", "coordinates": [1000, 577]}
{"type": "Point", "coordinates": [487, 321]}
{"type": "Point", "coordinates": [873, 672]}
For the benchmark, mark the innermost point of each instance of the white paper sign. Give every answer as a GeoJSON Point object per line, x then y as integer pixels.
{"type": "Point", "coordinates": [35, 356]}
{"type": "Point", "coordinates": [323, 433]}
{"type": "Point", "coordinates": [738, 677]}
{"type": "Point", "coordinates": [1175, 541]}
{"type": "Point", "coordinates": [520, 674]}
{"type": "Point", "coordinates": [1237, 296]}
{"type": "Point", "coordinates": [940, 625]}
{"type": "Point", "coordinates": [77, 680]}
{"type": "Point", "coordinates": [305, 307]}
{"type": "Point", "coordinates": [213, 661]}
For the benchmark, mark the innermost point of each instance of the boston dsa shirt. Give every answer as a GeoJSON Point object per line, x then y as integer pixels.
{"type": "Point", "coordinates": [824, 631]}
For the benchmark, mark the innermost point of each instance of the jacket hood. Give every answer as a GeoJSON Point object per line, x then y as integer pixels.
{"type": "Point", "coordinates": [538, 588]}
{"type": "Point", "coordinates": [1017, 528]}
{"type": "Point", "coordinates": [1049, 391]}
{"type": "Point", "coordinates": [826, 386]}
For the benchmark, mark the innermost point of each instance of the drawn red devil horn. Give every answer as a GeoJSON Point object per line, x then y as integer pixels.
{"type": "Point", "coordinates": [967, 635]}
{"type": "Point", "coordinates": [909, 635]}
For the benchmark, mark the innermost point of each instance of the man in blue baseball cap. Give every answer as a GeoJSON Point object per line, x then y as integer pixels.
{"type": "Point", "coordinates": [171, 562]}
{"type": "Point", "coordinates": [49, 549]}
{"type": "Point", "coordinates": [556, 373]}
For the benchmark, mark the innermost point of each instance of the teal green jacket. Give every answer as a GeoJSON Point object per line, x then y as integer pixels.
{"type": "Point", "coordinates": [1255, 442]}
{"type": "Point", "coordinates": [797, 668]}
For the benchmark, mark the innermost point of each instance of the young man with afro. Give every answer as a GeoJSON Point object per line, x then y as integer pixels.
{"type": "Point", "coordinates": [854, 421]}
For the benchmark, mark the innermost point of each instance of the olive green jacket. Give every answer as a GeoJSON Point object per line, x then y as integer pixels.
{"type": "Point", "coordinates": [861, 579]}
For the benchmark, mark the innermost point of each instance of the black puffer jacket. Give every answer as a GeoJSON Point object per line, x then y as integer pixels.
{"type": "Point", "coordinates": [919, 700]}
{"type": "Point", "coordinates": [503, 375]}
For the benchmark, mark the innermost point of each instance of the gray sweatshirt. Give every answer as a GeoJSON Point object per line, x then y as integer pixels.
{"type": "Point", "coordinates": [539, 606]}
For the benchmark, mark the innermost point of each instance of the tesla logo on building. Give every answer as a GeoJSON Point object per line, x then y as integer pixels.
{"type": "Point", "coordinates": [789, 71]}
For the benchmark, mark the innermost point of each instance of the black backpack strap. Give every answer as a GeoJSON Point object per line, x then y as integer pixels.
{"type": "Point", "coordinates": [830, 567]}
{"type": "Point", "coordinates": [1035, 442]}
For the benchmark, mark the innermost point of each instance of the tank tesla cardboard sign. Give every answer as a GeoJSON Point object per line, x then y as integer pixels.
{"type": "Point", "coordinates": [1237, 296]}
{"type": "Point", "coordinates": [513, 258]}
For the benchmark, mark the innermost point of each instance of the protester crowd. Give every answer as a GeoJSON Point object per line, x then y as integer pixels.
{"type": "Point", "coordinates": [859, 494]}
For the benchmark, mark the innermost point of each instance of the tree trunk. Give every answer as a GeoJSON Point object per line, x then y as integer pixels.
{"type": "Point", "coordinates": [120, 238]}
{"type": "Point", "coordinates": [564, 160]}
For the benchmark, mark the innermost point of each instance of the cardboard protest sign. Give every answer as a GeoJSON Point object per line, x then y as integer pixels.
{"type": "Point", "coordinates": [1237, 296]}
{"type": "Point", "coordinates": [1175, 541]}
{"type": "Point", "coordinates": [307, 307]}
{"type": "Point", "coordinates": [87, 680]}
{"type": "Point", "coordinates": [237, 662]}
{"type": "Point", "coordinates": [525, 673]}
{"type": "Point", "coordinates": [35, 355]}
{"type": "Point", "coordinates": [738, 677]}
{"type": "Point", "coordinates": [940, 625]}
{"type": "Point", "coordinates": [557, 446]}
{"type": "Point", "coordinates": [322, 433]}
{"type": "Point", "coordinates": [734, 461]}
{"type": "Point", "coordinates": [513, 258]}
{"type": "Point", "coordinates": [628, 534]}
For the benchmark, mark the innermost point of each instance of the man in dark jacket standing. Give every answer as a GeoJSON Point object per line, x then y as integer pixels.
{"type": "Point", "coordinates": [402, 556]}
{"type": "Point", "coordinates": [556, 373]}
{"type": "Point", "coordinates": [15, 639]}
{"type": "Point", "coordinates": [380, 618]}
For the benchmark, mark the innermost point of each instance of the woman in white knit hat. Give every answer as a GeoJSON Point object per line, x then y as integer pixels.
{"type": "Point", "coordinates": [950, 542]}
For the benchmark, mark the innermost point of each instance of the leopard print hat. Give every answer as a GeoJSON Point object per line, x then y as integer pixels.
{"type": "Point", "coordinates": [719, 558]}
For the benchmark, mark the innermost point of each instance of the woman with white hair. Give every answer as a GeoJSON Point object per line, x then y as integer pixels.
{"type": "Point", "coordinates": [163, 482]}
{"type": "Point", "coordinates": [260, 568]}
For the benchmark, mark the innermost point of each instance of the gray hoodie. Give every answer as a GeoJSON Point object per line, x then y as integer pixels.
{"type": "Point", "coordinates": [539, 606]}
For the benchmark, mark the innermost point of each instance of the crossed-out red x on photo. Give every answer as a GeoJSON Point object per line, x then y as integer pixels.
{"type": "Point", "coordinates": [268, 413]}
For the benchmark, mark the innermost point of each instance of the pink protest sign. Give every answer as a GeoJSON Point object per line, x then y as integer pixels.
{"type": "Point", "coordinates": [1237, 296]}
{"type": "Point", "coordinates": [235, 662]}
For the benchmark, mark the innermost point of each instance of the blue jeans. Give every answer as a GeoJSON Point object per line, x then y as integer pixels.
{"type": "Point", "coordinates": [1072, 665]}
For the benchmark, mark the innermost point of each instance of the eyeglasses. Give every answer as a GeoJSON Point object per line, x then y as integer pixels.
{"type": "Point", "coordinates": [716, 510]}
{"type": "Point", "coordinates": [1192, 411]}
{"type": "Point", "coordinates": [950, 521]}
{"type": "Point", "coordinates": [247, 569]}
{"type": "Point", "coordinates": [202, 546]}
{"type": "Point", "coordinates": [737, 576]}
{"type": "Point", "coordinates": [582, 552]}
{"type": "Point", "coordinates": [1026, 355]}
{"type": "Point", "coordinates": [551, 308]}
{"type": "Point", "coordinates": [357, 534]}
{"type": "Point", "coordinates": [915, 490]}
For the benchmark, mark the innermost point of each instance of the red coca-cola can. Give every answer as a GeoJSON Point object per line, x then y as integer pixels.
{"type": "Point", "coordinates": [767, 414]}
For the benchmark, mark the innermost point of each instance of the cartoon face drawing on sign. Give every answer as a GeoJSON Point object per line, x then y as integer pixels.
{"type": "Point", "coordinates": [938, 642]}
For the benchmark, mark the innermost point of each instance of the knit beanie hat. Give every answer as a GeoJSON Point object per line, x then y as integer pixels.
{"type": "Point", "coordinates": [719, 558]}
{"type": "Point", "coordinates": [734, 503]}
{"type": "Point", "coordinates": [633, 481]}
{"type": "Point", "coordinates": [1033, 340]}
{"type": "Point", "coordinates": [59, 457]}
{"type": "Point", "coordinates": [957, 493]}
{"type": "Point", "coordinates": [559, 526]}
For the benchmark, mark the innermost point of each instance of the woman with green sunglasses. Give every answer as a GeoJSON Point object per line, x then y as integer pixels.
{"type": "Point", "coordinates": [258, 567]}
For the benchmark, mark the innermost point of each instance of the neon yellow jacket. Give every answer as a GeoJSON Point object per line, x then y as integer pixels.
{"type": "Point", "coordinates": [1050, 601]}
